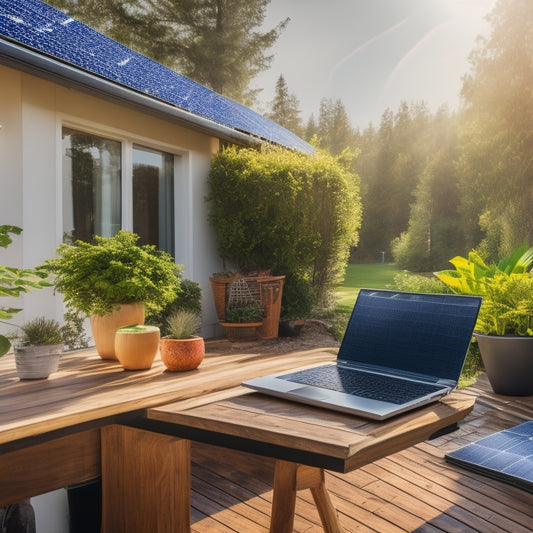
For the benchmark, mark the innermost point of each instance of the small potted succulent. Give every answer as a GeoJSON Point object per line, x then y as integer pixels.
{"type": "Point", "coordinates": [38, 348]}
{"type": "Point", "coordinates": [182, 349]}
{"type": "Point", "coordinates": [136, 346]}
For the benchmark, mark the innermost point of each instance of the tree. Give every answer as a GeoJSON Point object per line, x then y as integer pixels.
{"type": "Point", "coordinates": [334, 128]}
{"type": "Point", "coordinates": [496, 162]}
{"type": "Point", "coordinates": [285, 108]}
{"type": "Point", "coordinates": [214, 42]}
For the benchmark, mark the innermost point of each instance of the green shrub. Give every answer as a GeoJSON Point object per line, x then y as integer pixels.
{"type": "Point", "coordinates": [406, 281]}
{"type": "Point", "coordinates": [295, 214]}
{"type": "Point", "coordinates": [189, 299]}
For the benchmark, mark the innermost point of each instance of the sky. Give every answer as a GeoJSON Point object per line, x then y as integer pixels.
{"type": "Point", "coordinates": [372, 54]}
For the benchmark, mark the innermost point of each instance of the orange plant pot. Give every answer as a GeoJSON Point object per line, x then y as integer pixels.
{"type": "Point", "coordinates": [105, 327]}
{"type": "Point", "coordinates": [179, 355]}
{"type": "Point", "coordinates": [136, 346]}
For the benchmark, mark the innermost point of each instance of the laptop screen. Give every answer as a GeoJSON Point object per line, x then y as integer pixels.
{"type": "Point", "coordinates": [421, 333]}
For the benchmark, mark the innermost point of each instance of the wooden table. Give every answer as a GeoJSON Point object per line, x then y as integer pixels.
{"type": "Point", "coordinates": [304, 440]}
{"type": "Point", "coordinates": [50, 430]}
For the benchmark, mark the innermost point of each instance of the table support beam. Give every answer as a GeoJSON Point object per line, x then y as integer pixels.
{"type": "Point", "coordinates": [146, 481]}
{"type": "Point", "coordinates": [288, 479]}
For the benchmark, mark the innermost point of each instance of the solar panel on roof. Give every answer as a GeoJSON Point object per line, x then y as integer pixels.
{"type": "Point", "coordinates": [506, 455]}
{"type": "Point", "coordinates": [41, 27]}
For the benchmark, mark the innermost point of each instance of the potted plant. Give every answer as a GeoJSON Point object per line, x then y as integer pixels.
{"type": "Point", "coordinates": [136, 346]}
{"type": "Point", "coordinates": [181, 349]}
{"type": "Point", "coordinates": [38, 348]}
{"type": "Point", "coordinates": [503, 331]}
{"type": "Point", "coordinates": [114, 281]}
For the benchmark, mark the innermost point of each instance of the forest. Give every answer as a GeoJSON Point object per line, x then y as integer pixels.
{"type": "Point", "coordinates": [433, 185]}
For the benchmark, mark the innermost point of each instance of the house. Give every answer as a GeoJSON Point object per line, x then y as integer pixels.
{"type": "Point", "coordinates": [95, 137]}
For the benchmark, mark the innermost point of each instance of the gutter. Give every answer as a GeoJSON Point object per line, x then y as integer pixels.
{"type": "Point", "coordinates": [37, 64]}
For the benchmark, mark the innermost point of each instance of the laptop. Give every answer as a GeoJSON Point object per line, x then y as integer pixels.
{"type": "Point", "coordinates": [401, 350]}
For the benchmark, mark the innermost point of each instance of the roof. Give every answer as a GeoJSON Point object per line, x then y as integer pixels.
{"type": "Point", "coordinates": [42, 40]}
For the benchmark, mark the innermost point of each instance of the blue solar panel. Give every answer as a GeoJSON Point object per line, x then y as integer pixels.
{"type": "Point", "coordinates": [41, 27]}
{"type": "Point", "coordinates": [507, 456]}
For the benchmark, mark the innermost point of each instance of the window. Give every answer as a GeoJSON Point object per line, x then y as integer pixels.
{"type": "Point", "coordinates": [91, 186]}
{"type": "Point", "coordinates": [153, 197]}
{"type": "Point", "coordinates": [93, 192]}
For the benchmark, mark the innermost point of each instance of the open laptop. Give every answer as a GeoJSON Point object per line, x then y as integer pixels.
{"type": "Point", "coordinates": [400, 351]}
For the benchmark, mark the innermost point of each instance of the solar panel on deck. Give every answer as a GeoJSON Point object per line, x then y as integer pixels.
{"type": "Point", "coordinates": [38, 25]}
{"type": "Point", "coordinates": [507, 456]}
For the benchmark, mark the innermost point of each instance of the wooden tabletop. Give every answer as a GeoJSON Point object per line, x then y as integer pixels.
{"type": "Point", "coordinates": [86, 388]}
{"type": "Point", "coordinates": [309, 435]}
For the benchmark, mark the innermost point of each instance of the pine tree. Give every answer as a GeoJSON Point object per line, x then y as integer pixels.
{"type": "Point", "coordinates": [285, 108]}
{"type": "Point", "coordinates": [214, 42]}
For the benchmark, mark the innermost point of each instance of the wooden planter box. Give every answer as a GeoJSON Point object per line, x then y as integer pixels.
{"type": "Point", "coordinates": [267, 290]}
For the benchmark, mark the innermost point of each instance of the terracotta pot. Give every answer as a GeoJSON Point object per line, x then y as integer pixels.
{"type": "Point", "coordinates": [105, 327]}
{"type": "Point", "coordinates": [182, 354]}
{"type": "Point", "coordinates": [37, 362]}
{"type": "Point", "coordinates": [136, 346]}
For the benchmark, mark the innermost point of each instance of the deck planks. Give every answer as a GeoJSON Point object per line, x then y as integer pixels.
{"type": "Point", "coordinates": [411, 491]}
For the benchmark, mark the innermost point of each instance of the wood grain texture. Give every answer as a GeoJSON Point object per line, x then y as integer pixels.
{"type": "Point", "coordinates": [353, 440]}
{"type": "Point", "coordinates": [145, 482]}
{"type": "Point", "coordinates": [87, 388]}
{"type": "Point", "coordinates": [49, 466]}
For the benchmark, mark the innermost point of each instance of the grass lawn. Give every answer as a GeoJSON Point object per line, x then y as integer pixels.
{"type": "Point", "coordinates": [367, 276]}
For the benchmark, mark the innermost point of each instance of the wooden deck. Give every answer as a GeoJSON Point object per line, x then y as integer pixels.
{"type": "Point", "coordinates": [415, 490]}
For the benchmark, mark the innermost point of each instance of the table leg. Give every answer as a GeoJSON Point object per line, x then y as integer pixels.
{"type": "Point", "coordinates": [290, 478]}
{"type": "Point", "coordinates": [146, 480]}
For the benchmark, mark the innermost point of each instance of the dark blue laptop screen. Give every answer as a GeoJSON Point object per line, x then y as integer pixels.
{"type": "Point", "coordinates": [421, 333]}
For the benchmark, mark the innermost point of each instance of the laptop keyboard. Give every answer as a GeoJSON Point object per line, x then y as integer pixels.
{"type": "Point", "coordinates": [363, 384]}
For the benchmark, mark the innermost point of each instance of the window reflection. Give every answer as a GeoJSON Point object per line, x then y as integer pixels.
{"type": "Point", "coordinates": [153, 197]}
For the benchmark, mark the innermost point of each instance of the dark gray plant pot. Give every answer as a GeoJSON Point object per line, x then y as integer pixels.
{"type": "Point", "coordinates": [508, 361]}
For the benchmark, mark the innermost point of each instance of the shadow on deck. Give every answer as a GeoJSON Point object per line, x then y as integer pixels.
{"type": "Point", "coordinates": [415, 490]}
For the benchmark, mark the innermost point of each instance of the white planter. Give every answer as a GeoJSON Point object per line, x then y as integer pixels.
{"type": "Point", "coordinates": [37, 362]}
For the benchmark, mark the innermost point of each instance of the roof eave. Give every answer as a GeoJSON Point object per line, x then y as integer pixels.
{"type": "Point", "coordinates": [32, 62]}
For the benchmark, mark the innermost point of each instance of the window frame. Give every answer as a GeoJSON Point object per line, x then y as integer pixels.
{"type": "Point", "coordinates": [128, 140]}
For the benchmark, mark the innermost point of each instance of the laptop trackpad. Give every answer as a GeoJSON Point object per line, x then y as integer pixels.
{"type": "Point", "coordinates": [313, 393]}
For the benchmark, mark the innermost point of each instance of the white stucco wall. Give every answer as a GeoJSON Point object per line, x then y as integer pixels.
{"type": "Point", "coordinates": [32, 112]}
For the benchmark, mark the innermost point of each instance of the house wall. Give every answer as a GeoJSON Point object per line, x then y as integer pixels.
{"type": "Point", "coordinates": [32, 112]}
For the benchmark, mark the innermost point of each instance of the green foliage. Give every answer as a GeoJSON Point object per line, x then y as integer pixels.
{"type": "Point", "coordinates": [507, 307]}
{"type": "Point", "coordinates": [290, 212]}
{"type": "Point", "coordinates": [298, 298]}
{"type": "Point", "coordinates": [73, 332]}
{"type": "Point", "coordinates": [472, 275]}
{"type": "Point", "coordinates": [506, 287]}
{"type": "Point", "coordinates": [97, 278]}
{"type": "Point", "coordinates": [40, 332]}
{"type": "Point", "coordinates": [285, 108]}
{"type": "Point", "coordinates": [245, 314]}
{"type": "Point", "coordinates": [406, 281]}
{"type": "Point", "coordinates": [183, 324]}
{"type": "Point", "coordinates": [189, 299]}
{"type": "Point", "coordinates": [15, 281]}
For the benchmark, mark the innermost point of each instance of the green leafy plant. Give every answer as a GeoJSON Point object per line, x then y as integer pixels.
{"type": "Point", "coordinates": [15, 281]}
{"type": "Point", "coordinates": [189, 299]}
{"type": "Point", "coordinates": [97, 278]}
{"type": "Point", "coordinates": [507, 307]}
{"type": "Point", "coordinates": [506, 287]}
{"type": "Point", "coordinates": [245, 314]}
{"type": "Point", "coordinates": [472, 274]}
{"type": "Point", "coordinates": [40, 331]}
{"type": "Point", "coordinates": [73, 331]}
{"type": "Point", "coordinates": [183, 324]}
